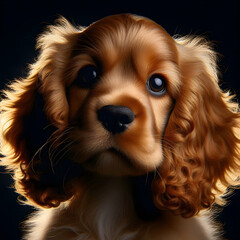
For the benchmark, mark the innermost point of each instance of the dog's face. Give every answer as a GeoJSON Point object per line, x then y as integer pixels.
{"type": "Point", "coordinates": [124, 98]}
{"type": "Point", "coordinates": [120, 97]}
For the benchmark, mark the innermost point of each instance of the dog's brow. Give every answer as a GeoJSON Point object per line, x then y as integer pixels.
{"type": "Point", "coordinates": [128, 64]}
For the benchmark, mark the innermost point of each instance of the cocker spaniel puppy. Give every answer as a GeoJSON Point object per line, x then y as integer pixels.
{"type": "Point", "coordinates": [120, 132]}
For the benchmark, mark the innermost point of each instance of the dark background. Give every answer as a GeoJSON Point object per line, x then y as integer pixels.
{"type": "Point", "coordinates": [22, 21]}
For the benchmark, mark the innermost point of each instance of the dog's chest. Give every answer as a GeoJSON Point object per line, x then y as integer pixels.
{"type": "Point", "coordinates": [107, 211]}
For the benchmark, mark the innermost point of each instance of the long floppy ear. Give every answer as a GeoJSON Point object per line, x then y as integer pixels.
{"type": "Point", "coordinates": [201, 142]}
{"type": "Point", "coordinates": [34, 111]}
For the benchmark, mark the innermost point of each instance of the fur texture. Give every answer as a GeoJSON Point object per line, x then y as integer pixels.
{"type": "Point", "coordinates": [79, 170]}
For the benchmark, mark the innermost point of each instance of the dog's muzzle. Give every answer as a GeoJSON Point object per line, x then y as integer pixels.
{"type": "Point", "coordinates": [115, 119]}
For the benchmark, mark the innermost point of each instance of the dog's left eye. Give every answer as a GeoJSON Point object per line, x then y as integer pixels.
{"type": "Point", "coordinates": [87, 77]}
{"type": "Point", "coordinates": [156, 85]}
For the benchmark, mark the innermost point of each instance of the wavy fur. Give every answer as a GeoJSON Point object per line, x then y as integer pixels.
{"type": "Point", "coordinates": [61, 157]}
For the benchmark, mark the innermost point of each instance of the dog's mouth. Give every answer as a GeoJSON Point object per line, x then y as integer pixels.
{"type": "Point", "coordinates": [112, 162]}
{"type": "Point", "coordinates": [119, 153]}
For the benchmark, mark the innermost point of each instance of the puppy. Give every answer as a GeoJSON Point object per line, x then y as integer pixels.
{"type": "Point", "coordinates": [120, 132]}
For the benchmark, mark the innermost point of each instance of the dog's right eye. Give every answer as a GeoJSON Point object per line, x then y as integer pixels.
{"type": "Point", "coordinates": [87, 77]}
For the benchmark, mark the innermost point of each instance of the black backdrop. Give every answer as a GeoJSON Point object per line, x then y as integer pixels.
{"type": "Point", "coordinates": [22, 21]}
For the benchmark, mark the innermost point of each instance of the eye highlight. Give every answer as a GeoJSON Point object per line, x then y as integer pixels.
{"type": "Point", "coordinates": [156, 85]}
{"type": "Point", "coordinates": [87, 77]}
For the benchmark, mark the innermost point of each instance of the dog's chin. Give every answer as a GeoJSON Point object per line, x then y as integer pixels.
{"type": "Point", "coordinates": [113, 163]}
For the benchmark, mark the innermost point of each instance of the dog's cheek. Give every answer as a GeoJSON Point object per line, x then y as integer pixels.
{"type": "Point", "coordinates": [76, 97]}
{"type": "Point", "coordinates": [161, 108]}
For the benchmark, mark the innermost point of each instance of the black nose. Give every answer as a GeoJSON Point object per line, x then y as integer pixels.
{"type": "Point", "coordinates": [115, 119]}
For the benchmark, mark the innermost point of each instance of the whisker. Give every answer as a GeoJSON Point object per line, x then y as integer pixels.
{"type": "Point", "coordinates": [156, 173]}
{"type": "Point", "coordinates": [53, 138]}
{"type": "Point", "coordinates": [53, 149]}
{"type": "Point", "coordinates": [57, 138]}
{"type": "Point", "coordinates": [31, 162]}
{"type": "Point", "coordinates": [61, 151]}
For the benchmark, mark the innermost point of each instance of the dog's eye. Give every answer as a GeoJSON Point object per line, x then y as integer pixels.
{"type": "Point", "coordinates": [87, 77]}
{"type": "Point", "coordinates": [156, 85]}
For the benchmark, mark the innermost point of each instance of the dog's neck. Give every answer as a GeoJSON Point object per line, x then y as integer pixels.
{"type": "Point", "coordinates": [107, 206]}
{"type": "Point", "coordinates": [115, 192]}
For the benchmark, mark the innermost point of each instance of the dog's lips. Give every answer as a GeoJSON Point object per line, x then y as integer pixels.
{"type": "Point", "coordinates": [115, 153]}
{"type": "Point", "coordinates": [111, 162]}
{"type": "Point", "coordinates": [118, 152]}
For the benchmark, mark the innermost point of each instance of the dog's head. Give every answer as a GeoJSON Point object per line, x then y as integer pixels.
{"type": "Point", "coordinates": [122, 98]}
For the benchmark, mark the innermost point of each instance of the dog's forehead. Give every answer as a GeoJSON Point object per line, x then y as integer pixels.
{"type": "Point", "coordinates": [115, 38]}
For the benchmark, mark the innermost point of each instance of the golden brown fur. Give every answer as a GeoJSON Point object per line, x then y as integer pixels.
{"type": "Point", "coordinates": [189, 136]}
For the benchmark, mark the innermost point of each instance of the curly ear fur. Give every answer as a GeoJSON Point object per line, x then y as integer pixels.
{"type": "Point", "coordinates": [201, 142]}
{"type": "Point", "coordinates": [24, 140]}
